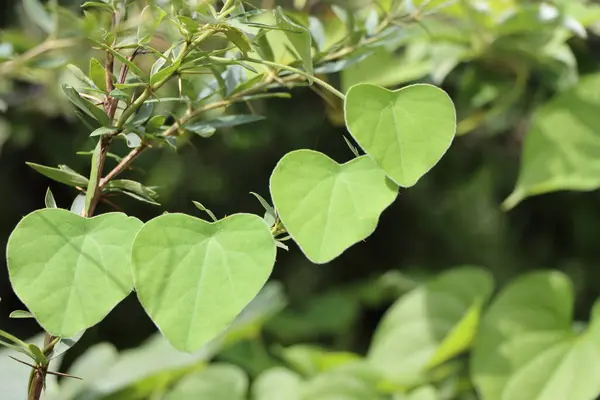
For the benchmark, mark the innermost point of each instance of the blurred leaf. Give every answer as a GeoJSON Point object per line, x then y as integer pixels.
{"type": "Point", "coordinates": [238, 38]}
{"type": "Point", "coordinates": [276, 384]}
{"type": "Point", "coordinates": [226, 121]}
{"type": "Point", "coordinates": [263, 47]}
{"type": "Point", "coordinates": [215, 382]}
{"type": "Point", "coordinates": [554, 160]}
{"type": "Point", "coordinates": [67, 177]}
{"type": "Point", "coordinates": [298, 36]}
{"type": "Point", "coordinates": [132, 67]}
{"type": "Point", "coordinates": [150, 19]}
{"type": "Point", "coordinates": [526, 348]}
{"type": "Point", "coordinates": [38, 15]}
{"type": "Point", "coordinates": [312, 360]}
{"type": "Point", "coordinates": [357, 381]}
{"type": "Point", "coordinates": [430, 325]}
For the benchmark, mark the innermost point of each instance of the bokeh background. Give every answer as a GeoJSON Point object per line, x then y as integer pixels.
{"type": "Point", "coordinates": [451, 218]}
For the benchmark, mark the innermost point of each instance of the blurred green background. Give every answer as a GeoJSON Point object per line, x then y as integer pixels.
{"type": "Point", "coordinates": [451, 218]}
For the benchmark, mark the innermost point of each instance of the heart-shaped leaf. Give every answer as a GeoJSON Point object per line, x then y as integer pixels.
{"type": "Point", "coordinates": [71, 271]}
{"type": "Point", "coordinates": [194, 277]}
{"type": "Point", "coordinates": [327, 207]}
{"type": "Point", "coordinates": [406, 131]}
{"type": "Point", "coordinates": [430, 325]}
{"type": "Point", "coordinates": [527, 348]}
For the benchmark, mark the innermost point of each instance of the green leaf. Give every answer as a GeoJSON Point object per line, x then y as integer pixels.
{"type": "Point", "coordinates": [84, 105]}
{"type": "Point", "coordinates": [526, 348]}
{"type": "Point", "coordinates": [277, 383]}
{"type": "Point", "coordinates": [355, 381]}
{"type": "Point", "coordinates": [263, 47]}
{"type": "Point", "coordinates": [21, 314]}
{"type": "Point", "coordinates": [327, 207]}
{"type": "Point", "coordinates": [149, 20]}
{"type": "Point", "coordinates": [422, 393]}
{"type": "Point", "coordinates": [68, 177]}
{"type": "Point", "coordinates": [238, 38]}
{"type": "Point", "coordinates": [193, 277]}
{"type": "Point", "coordinates": [430, 325]}
{"type": "Point", "coordinates": [49, 199]}
{"type": "Point", "coordinates": [40, 358]}
{"type": "Point", "coordinates": [132, 67]}
{"type": "Point", "coordinates": [38, 15]}
{"type": "Point", "coordinates": [142, 115]}
{"type": "Point", "coordinates": [97, 4]}
{"type": "Point", "coordinates": [103, 130]}
{"type": "Point", "coordinates": [78, 204]}
{"type": "Point", "coordinates": [215, 382]}
{"type": "Point", "coordinates": [227, 121]}
{"type": "Point", "coordinates": [298, 36]}
{"type": "Point", "coordinates": [406, 131]}
{"type": "Point", "coordinates": [164, 73]}
{"type": "Point", "coordinates": [78, 73]}
{"type": "Point", "coordinates": [95, 175]}
{"type": "Point", "coordinates": [201, 207]}
{"type": "Point", "coordinates": [562, 148]}
{"type": "Point", "coordinates": [97, 74]}
{"type": "Point", "coordinates": [132, 187]}
{"type": "Point", "coordinates": [68, 270]}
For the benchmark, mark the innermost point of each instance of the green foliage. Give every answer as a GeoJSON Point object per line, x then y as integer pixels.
{"type": "Point", "coordinates": [327, 207]}
{"type": "Point", "coordinates": [194, 277]}
{"type": "Point", "coordinates": [71, 271]}
{"type": "Point", "coordinates": [389, 126]}
{"type": "Point", "coordinates": [165, 75]}
{"type": "Point", "coordinates": [430, 326]}
{"type": "Point", "coordinates": [527, 348]}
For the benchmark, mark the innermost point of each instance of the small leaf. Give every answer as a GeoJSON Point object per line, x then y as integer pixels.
{"type": "Point", "coordinates": [97, 74]}
{"type": "Point", "coordinates": [98, 4]}
{"type": "Point", "coordinates": [298, 36]}
{"type": "Point", "coordinates": [38, 15]}
{"type": "Point", "coordinates": [155, 123]}
{"type": "Point", "coordinates": [263, 47]}
{"type": "Point", "coordinates": [226, 121]}
{"type": "Point", "coordinates": [282, 245]}
{"type": "Point", "coordinates": [103, 130]}
{"type": "Point", "coordinates": [163, 73]}
{"type": "Point", "coordinates": [133, 140]}
{"type": "Point", "coordinates": [142, 115]}
{"type": "Point", "coordinates": [85, 106]}
{"type": "Point", "coordinates": [77, 73]}
{"type": "Point", "coordinates": [277, 383]}
{"type": "Point", "coordinates": [149, 20]}
{"type": "Point", "coordinates": [201, 207]}
{"type": "Point", "coordinates": [238, 38]}
{"type": "Point", "coordinates": [132, 187]}
{"type": "Point", "coordinates": [215, 382]}
{"type": "Point", "coordinates": [78, 204]}
{"type": "Point", "coordinates": [68, 177]}
{"type": "Point", "coordinates": [132, 67]}
{"type": "Point", "coordinates": [20, 314]}
{"type": "Point", "coordinates": [49, 199]}
{"type": "Point", "coordinates": [40, 358]}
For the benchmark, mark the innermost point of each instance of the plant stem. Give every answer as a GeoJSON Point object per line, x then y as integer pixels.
{"type": "Point", "coordinates": [297, 71]}
{"type": "Point", "coordinates": [37, 378]}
